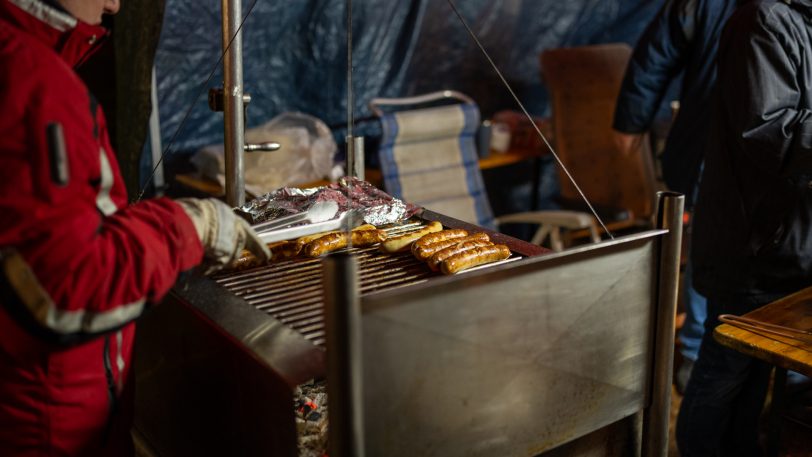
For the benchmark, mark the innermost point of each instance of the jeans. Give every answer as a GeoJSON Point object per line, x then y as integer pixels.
{"type": "Point", "coordinates": [696, 310]}
{"type": "Point", "coordinates": [725, 395]}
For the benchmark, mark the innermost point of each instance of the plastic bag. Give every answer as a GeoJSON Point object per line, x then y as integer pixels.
{"type": "Point", "coordinates": [306, 154]}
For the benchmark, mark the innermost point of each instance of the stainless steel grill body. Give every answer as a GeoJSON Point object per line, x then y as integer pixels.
{"type": "Point", "coordinates": [222, 354]}
{"type": "Point", "coordinates": [559, 344]}
{"type": "Point", "coordinates": [524, 357]}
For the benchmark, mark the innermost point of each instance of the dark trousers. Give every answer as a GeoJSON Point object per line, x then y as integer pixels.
{"type": "Point", "coordinates": [725, 395]}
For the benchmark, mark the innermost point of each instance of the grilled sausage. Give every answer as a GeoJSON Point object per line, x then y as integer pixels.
{"type": "Point", "coordinates": [364, 227]}
{"type": "Point", "coordinates": [474, 257]}
{"type": "Point", "coordinates": [284, 249]}
{"type": "Point", "coordinates": [306, 239]}
{"type": "Point", "coordinates": [439, 256]}
{"type": "Point", "coordinates": [338, 240]}
{"type": "Point", "coordinates": [325, 244]}
{"type": "Point", "coordinates": [279, 250]}
{"type": "Point", "coordinates": [246, 261]}
{"type": "Point", "coordinates": [436, 237]}
{"type": "Point", "coordinates": [402, 242]}
{"type": "Point", "coordinates": [363, 238]}
{"type": "Point", "coordinates": [425, 252]}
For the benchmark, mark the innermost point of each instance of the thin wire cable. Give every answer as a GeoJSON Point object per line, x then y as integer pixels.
{"type": "Point", "coordinates": [350, 97]}
{"type": "Point", "coordinates": [192, 105]}
{"type": "Point", "coordinates": [526, 113]}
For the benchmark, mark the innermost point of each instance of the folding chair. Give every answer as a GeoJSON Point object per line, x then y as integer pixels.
{"type": "Point", "coordinates": [428, 157]}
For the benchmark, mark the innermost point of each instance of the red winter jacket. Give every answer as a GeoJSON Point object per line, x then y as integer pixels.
{"type": "Point", "coordinates": [64, 361]}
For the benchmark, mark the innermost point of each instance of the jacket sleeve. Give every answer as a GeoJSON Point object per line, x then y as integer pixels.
{"type": "Point", "coordinates": [762, 98]}
{"type": "Point", "coordinates": [98, 260]}
{"type": "Point", "coordinates": [656, 61]}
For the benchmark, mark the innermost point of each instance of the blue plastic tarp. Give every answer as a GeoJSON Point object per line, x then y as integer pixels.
{"type": "Point", "coordinates": [295, 54]}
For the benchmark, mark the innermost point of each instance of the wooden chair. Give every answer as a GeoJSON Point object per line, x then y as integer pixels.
{"type": "Point", "coordinates": [584, 83]}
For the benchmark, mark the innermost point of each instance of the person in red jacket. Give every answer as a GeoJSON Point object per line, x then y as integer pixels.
{"type": "Point", "coordinates": [79, 264]}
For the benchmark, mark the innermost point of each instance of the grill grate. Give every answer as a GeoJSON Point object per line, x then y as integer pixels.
{"type": "Point", "coordinates": [291, 291]}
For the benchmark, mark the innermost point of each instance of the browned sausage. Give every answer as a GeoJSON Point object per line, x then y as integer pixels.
{"type": "Point", "coordinates": [363, 238]}
{"type": "Point", "coordinates": [338, 240]}
{"type": "Point", "coordinates": [436, 237]}
{"type": "Point", "coordinates": [474, 257]}
{"type": "Point", "coordinates": [425, 252]}
{"type": "Point", "coordinates": [364, 227]}
{"type": "Point", "coordinates": [439, 256]}
{"type": "Point", "coordinates": [246, 261]}
{"type": "Point", "coordinates": [284, 250]}
{"type": "Point", "coordinates": [279, 250]}
{"type": "Point", "coordinates": [325, 244]}
{"type": "Point", "coordinates": [308, 238]}
{"type": "Point", "coordinates": [305, 240]}
{"type": "Point", "coordinates": [402, 242]}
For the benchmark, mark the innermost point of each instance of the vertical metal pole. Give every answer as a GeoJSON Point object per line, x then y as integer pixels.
{"type": "Point", "coordinates": [344, 369]}
{"type": "Point", "coordinates": [233, 103]}
{"type": "Point", "coordinates": [155, 138]}
{"type": "Point", "coordinates": [355, 145]}
{"type": "Point", "coordinates": [656, 416]}
{"type": "Point", "coordinates": [355, 157]}
{"type": "Point", "coordinates": [350, 98]}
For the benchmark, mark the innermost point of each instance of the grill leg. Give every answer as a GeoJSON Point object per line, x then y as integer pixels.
{"type": "Point", "coordinates": [344, 370]}
{"type": "Point", "coordinates": [655, 417]}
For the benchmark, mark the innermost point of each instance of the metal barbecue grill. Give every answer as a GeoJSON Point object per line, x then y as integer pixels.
{"type": "Point", "coordinates": [509, 360]}
{"type": "Point", "coordinates": [292, 291]}
{"type": "Point", "coordinates": [512, 359]}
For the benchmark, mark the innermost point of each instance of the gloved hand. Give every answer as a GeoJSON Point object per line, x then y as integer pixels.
{"type": "Point", "coordinates": [223, 234]}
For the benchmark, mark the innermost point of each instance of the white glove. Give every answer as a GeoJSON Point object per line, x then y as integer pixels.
{"type": "Point", "coordinates": [223, 234]}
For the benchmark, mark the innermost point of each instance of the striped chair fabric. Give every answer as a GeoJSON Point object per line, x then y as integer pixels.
{"type": "Point", "coordinates": [428, 157]}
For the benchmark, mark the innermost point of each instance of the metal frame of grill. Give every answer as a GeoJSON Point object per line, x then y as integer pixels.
{"type": "Point", "coordinates": [216, 373]}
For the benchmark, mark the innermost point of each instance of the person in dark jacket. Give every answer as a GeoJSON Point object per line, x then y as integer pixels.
{"type": "Point", "coordinates": [753, 219]}
{"type": "Point", "coordinates": [681, 39]}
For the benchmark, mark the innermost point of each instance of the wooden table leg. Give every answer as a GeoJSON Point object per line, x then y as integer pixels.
{"type": "Point", "coordinates": [776, 410]}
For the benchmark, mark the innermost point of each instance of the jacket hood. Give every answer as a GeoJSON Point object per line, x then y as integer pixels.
{"type": "Point", "coordinates": [72, 39]}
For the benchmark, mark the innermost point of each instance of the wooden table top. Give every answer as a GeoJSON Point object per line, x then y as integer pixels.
{"type": "Point", "coordinates": [500, 159]}
{"type": "Point", "coordinates": [373, 176]}
{"type": "Point", "coordinates": [794, 311]}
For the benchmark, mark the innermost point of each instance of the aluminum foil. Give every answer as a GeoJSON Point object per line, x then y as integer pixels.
{"type": "Point", "coordinates": [378, 207]}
